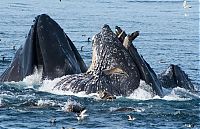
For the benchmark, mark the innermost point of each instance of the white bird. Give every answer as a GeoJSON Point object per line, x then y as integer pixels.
{"type": "Point", "coordinates": [130, 118]}
{"type": "Point", "coordinates": [186, 5]}
{"type": "Point", "coordinates": [82, 115]}
{"type": "Point", "coordinates": [53, 121]}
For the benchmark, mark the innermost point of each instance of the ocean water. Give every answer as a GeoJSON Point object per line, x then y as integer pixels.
{"type": "Point", "coordinates": [169, 34]}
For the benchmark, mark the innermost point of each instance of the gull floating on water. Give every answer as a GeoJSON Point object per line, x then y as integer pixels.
{"type": "Point", "coordinates": [53, 121]}
{"type": "Point", "coordinates": [82, 115]}
{"type": "Point", "coordinates": [130, 118]}
{"type": "Point", "coordinates": [186, 5]}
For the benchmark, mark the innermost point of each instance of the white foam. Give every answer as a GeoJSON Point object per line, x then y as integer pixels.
{"type": "Point", "coordinates": [31, 80]}
{"type": "Point", "coordinates": [142, 92]}
{"type": "Point", "coordinates": [140, 109]}
{"type": "Point", "coordinates": [112, 109]}
{"type": "Point", "coordinates": [68, 103]}
{"type": "Point", "coordinates": [42, 103]}
{"type": "Point", "coordinates": [180, 94]}
{"type": "Point", "coordinates": [34, 79]}
{"type": "Point", "coordinates": [48, 86]}
{"type": "Point", "coordinates": [1, 104]}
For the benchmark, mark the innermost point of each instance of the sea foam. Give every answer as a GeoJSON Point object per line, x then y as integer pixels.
{"type": "Point", "coordinates": [143, 92]}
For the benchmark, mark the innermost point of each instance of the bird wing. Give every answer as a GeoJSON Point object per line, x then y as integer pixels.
{"type": "Point", "coordinates": [83, 112]}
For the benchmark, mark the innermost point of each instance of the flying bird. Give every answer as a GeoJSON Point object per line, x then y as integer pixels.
{"type": "Point", "coordinates": [82, 115]}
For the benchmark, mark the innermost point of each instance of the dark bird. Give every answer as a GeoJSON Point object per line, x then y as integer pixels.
{"type": "Point", "coordinates": [82, 48]}
{"type": "Point", "coordinates": [3, 58]}
{"type": "Point", "coordinates": [88, 39]}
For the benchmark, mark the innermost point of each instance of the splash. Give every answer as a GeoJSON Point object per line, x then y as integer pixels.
{"type": "Point", "coordinates": [68, 103]}
{"type": "Point", "coordinates": [45, 103]}
{"type": "Point", "coordinates": [30, 81]}
{"type": "Point", "coordinates": [48, 86]}
{"type": "Point", "coordinates": [34, 79]}
{"type": "Point", "coordinates": [180, 94]}
{"type": "Point", "coordinates": [143, 92]}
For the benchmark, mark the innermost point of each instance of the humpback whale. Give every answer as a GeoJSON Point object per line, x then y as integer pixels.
{"type": "Point", "coordinates": [112, 68]}
{"type": "Point", "coordinates": [116, 67]}
{"type": "Point", "coordinates": [46, 47]}
{"type": "Point", "coordinates": [174, 76]}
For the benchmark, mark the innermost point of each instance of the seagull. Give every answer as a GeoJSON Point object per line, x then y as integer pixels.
{"type": "Point", "coordinates": [130, 118]}
{"type": "Point", "coordinates": [82, 115]}
{"type": "Point", "coordinates": [186, 5]}
{"type": "Point", "coordinates": [53, 121]}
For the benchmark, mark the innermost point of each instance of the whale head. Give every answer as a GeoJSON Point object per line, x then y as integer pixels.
{"type": "Point", "coordinates": [47, 47]}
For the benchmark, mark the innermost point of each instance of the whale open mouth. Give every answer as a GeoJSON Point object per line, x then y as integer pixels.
{"type": "Point", "coordinates": [46, 46]}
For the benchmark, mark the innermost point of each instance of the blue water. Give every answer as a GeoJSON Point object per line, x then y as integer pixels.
{"type": "Point", "coordinates": [169, 34]}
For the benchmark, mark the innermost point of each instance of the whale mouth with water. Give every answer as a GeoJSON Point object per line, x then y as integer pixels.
{"type": "Point", "coordinates": [46, 46]}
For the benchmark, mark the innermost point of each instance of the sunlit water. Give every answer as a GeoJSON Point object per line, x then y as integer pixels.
{"type": "Point", "coordinates": [169, 34]}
